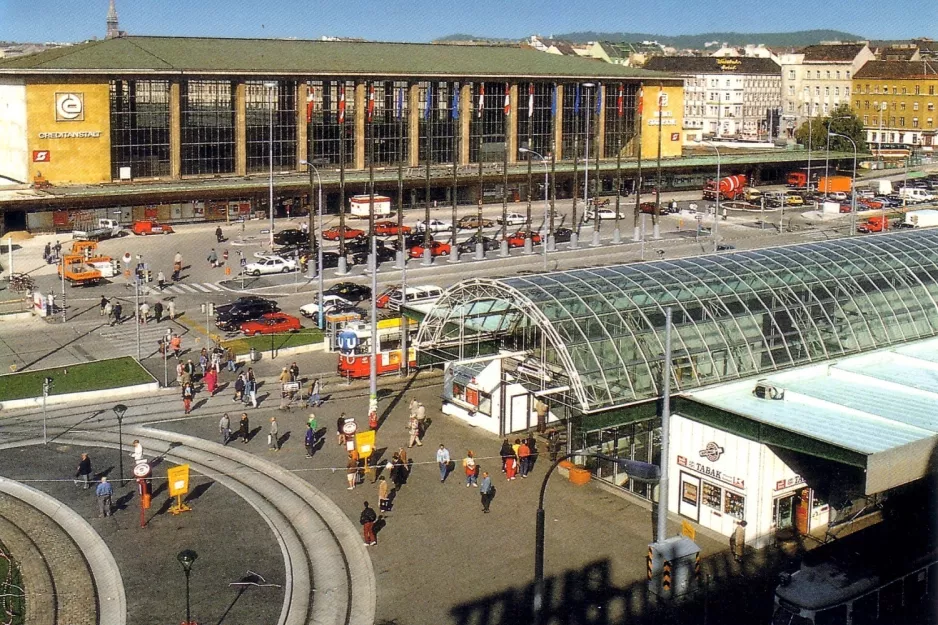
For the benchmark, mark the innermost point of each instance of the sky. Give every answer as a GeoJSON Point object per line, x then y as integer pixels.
{"type": "Point", "coordinates": [425, 20]}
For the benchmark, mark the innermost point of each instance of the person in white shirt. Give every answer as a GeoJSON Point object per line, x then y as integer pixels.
{"type": "Point", "coordinates": [442, 458]}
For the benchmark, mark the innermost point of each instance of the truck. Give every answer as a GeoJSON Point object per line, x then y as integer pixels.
{"type": "Point", "coordinates": [922, 218]}
{"type": "Point", "coordinates": [877, 223]}
{"type": "Point", "coordinates": [77, 271]}
{"type": "Point", "coordinates": [104, 229]}
{"type": "Point", "coordinates": [831, 184]}
{"type": "Point", "coordinates": [730, 188]}
{"type": "Point", "coordinates": [359, 205]}
{"type": "Point", "coordinates": [150, 226]}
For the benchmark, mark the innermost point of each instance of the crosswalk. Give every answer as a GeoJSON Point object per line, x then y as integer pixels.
{"type": "Point", "coordinates": [122, 337]}
{"type": "Point", "coordinates": [185, 288]}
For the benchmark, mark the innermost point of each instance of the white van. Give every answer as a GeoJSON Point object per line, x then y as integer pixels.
{"type": "Point", "coordinates": [915, 196]}
{"type": "Point", "coordinates": [415, 295]}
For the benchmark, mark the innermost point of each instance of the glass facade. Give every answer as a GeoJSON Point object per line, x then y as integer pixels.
{"type": "Point", "coordinates": [619, 96]}
{"type": "Point", "coordinates": [488, 124]}
{"type": "Point", "coordinates": [600, 331]}
{"type": "Point", "coordinates": [330, 99]}
{"type": "Point", "coordinates": [208, 127]}
{"type": "Point", "coordinates": [436, 102]}
{"type": "Point", "coordinates": [535, 125]}
{"type": "Point", "coordinates": [270, 125]}
{"type": "Point", "coordinates": [578, 101]}
{"type": "Point", "coordinates": [388, 127]}
{"type": "Point", "coordinates": [140, 128]}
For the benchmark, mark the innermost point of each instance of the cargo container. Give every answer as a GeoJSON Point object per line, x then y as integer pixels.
{"type": "Point", "coordinates": [830, 184]}
{"type": "Point", "coordinates": [922, 218]}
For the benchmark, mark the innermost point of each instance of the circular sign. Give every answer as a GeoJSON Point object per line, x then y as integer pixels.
{"type": "Point", "coordinates": [142, 469]}
{"type": "Point", "coordinates": [347, 341]}
{"type": "Point", "coordinates": [349, 427]}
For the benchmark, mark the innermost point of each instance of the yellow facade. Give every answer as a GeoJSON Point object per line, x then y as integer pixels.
{"type": "Point", "coordinates": [671, 121]}
{"type": "Point", "coordinates": [904, 108]}
{"type": "Point", "coordinates": [69, 136]}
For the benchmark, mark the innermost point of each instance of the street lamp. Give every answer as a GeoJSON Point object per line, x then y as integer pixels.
{"type": "Point", "coordinates": [827, 157]}
{"type": "Point", "coordinates": [46, 389]}
{"type": "Point", "coordinates": [716, 212]}
{"type": "Point", "coordinates": [547, 233]}
{"type": "Point", "coordinates": [187, 558]}
{"type": "Point", "coordinates": [312, 169]}
{"type": "Point", "coordinates": [119, 411]}
{"type": "Point", "coordinates": [270, 86]}
{"type": "Point", "coordinates": [640, 471]}
{"type": "Point", "coordinates": [853, 183]}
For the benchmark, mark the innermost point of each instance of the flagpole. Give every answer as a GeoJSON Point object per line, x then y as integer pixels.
{"type": "Point", "coordinates": [343, 262]}
{"type": "Point", "coordinates": [427, 254]}
{"type": "Point", "coordinates": [574, 225]}
{"type": "Point", "coordinates": [454, 116]}
{"type": "Point", "coordinates": [597, 222]}
{"type": "Point", "coordinates": [506, 117]}
{"type": "Point", "coordinates": [551, 240]}
{"type": "Point", "coordinates": [637, 236]}
{"type": "Point", "coordinates": [616, 233]}
{"type": "Point", "coordinates": [480, 247]}
{"type": "Point", "coordinates": [528, 243]}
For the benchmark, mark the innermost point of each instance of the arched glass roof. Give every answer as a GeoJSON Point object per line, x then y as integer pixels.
{"type": "Point", "coordinates": [600, 331]}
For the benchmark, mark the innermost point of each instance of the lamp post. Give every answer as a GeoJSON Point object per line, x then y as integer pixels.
{"type": "Point", "coordinates": [119, 411]}
{"type": "Point", "coordinates": [827, 157]}
{"type": "Point", "coordinates": [312, 170]}
{"type": "Point", "coordinates": [547, 232]}
{"type": "Point", "coordinates": [46, 389]}
{"type": "Point", "coordinates": [137, 304]}
{"type": "Point", "coordinates": [187, 558]}
{"type": "Point", "coordinates": [641, 471]}
{"type": "Point", "coordinates": [166, 338]}
{"type": "Point", "coordinates": [586, 151]}
{"type": "Point", "coordinates": [716, 212]}
{"type": "Point", "coordinates": [270, 114]}
{"type": "Point", "coordinates": [853, 182]}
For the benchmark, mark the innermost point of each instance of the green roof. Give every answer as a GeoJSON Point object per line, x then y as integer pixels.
{"type": "Point", "coordinates": [175, 55]}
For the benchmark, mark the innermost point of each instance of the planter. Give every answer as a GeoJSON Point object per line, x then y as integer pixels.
{"type": "Point", "coordinates": [579, 474]}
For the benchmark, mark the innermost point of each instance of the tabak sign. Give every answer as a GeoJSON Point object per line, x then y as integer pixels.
{"type": "Point", "coordinates": [710, 472]}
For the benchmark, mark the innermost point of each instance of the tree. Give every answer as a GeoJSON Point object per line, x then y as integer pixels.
{"type": "Point", "coordinates": [843, 121]}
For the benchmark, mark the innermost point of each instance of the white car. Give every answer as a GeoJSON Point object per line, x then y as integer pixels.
{"type": "Point", "coordinates": [513, 219]}
{"type": "Point", "coordinates": [270, 264]}
{"type": "Point", "coordinates": [604, 213]}
{"type": "Point", "coordinates": [311, 311]}
{"type": "Point", "coordinates": [434, 225]}
{"type": "Point", "coordinates": [838, 196]}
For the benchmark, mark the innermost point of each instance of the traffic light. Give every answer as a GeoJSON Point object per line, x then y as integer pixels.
{"type": "Point", "coordinates": [149, 276]}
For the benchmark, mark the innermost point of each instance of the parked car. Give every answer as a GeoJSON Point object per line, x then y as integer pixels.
{"type": "Point", "coordinates": [329, 259]}
{"type": "Point", "coordinates": [562, 235]}
{"type": "Point", "coordinates": [437, 248]}
{"type": "Point", "coordinates": [150, 226]}
{"type": "Point", "coordinates": [361, 245]}
{"type": "Point", "coordinates": [604, 213]}
{"type": "Point", "coordinates": [243, 301]}
{"type": "Point", "coordinates": [382, 300]}
{"type": "Point", "coordinates": [648, 208]}
{"type": "Point", "coordinates": [238, 313]}
{"type": "Point", "coordinates": [517, 239]}
{"type": "Point", "coordinates": [271, 323]}
{"type": "Point", "coordinates": [311, 310]}
{"type": "Point", "coordinates": [888, 202]}
{"type": "Point", "coordinates": [469, 245]}
{"type": "Point", "coordinates": [793, 199]}
{"type": "Point", "coordinates": [434, 225]}
{"type": "Point", "coordinates": [473, 221]}
{"type": "Point", "coordinates": [513, 219]}
{"type": "Point", "coordinates": [390, 228]}
{"type": "Point", "coordinates": [838, 196]}
{"type": "Point", "coordinates": [334, 233]}
{"type": "Point", "coordinates": [291, 236]}
{"type": "Point", "coordinates": [410, 240]}
{"type": "Point", "coordinates": [349, 290]}
{"type": "Point", "coordinates": [383, 253]}
{"type": "Point", "coordinates": [270, 264]}
{"type": "Point", "coordinates": [292, 250]}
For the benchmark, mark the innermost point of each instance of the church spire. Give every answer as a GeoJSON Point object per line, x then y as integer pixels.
{"type": "Point", "coordinates": [112, 29]}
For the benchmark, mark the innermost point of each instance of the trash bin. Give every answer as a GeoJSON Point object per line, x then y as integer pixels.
{"type": "Point", "coordinates": [254, 355]}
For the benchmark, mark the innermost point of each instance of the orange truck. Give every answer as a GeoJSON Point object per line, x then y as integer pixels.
{"type": "Point", "coordinates": [150, 226]}
{"type": "Point", "coordinates": [78, 272]}
{"type": "Point", "coordinates": [877, 223]}
{"type": "Point", "coordinates": [832, 184]}
{"type": "Point", "coordinates": [730, 188]}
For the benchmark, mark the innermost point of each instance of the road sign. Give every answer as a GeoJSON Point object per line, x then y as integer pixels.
{"type": "Point", "coordinates": [347, 341]}
{"type": "Point", "coordinates": [142, 469]}
{"type": "Point", "coordinates": [178, 478]}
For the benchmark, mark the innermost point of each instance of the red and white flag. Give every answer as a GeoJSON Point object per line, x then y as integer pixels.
{"type": "Point", "coordinates": [507, 100]}
{"type": "Point", "coordinates": [641, 100]}
{"type": "Point", "coordinates": [310, 103]}
{"type": "Point", "coordinates": [530, 100]}
{"type": "Point", "coordinates": [341, 104]}
{"type": "Point", "coordinates": [481, 99]}
{"type": "Point", "coordinates": [371, 102]}
{"type": "Point", "coordinates": [620, 103]}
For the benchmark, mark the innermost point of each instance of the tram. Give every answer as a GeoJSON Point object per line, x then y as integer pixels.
{"type": "Point", "coordinates": [356, 363]}
{"type": "Point", "coordinates": [886, 573]}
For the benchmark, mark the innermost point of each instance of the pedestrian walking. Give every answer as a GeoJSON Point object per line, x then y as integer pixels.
{"type": "Point", "coordinates": [294, 372]}
{"type": "Point", "coordinates": [175, 344]}
{"type": "Point", "coordinates": [158, 311]}
{"type": "Point", "coordinates": [471, 468]}
{"type": "Point", "coordinates": [212, 258]}
{"type": "Point", "coordinates": [215, 359]}
{"type": "Point", "coordinates": [351, 471]}
{"type": "Point", "coordinates": [224, 428]}
{"type": "Point", "coordinates": [118, 311]}
{"type": "Point", "coordinates": [103, 493]}
{"type": "Point", "coordinates": [108, 310]}
{"type": "Point", "coordinates": [144, 313]}
{"type": "Point", "coordinates": [160, 280]}
{"type": "Point", "coordinates": [383, 495]}
{"type": "Point", "coordinates": [724, 213]}
{"type": "Point", "coordinates": [189, 368]}
{"type": "Point", "coordinates": [180, 370]}
{"type": "Point", "coordinates": [102, 305]}
{"type": "Point", "coordinates": [511, 467]}
{"type": "Point", "coordinates": [524, 458]}
{"type": "Point", "coordinates": [315, 391]}
{"type": "Point", "coordinates": [738, 541]}
{"type": "Point", "coordinates": [83, 474]}
{"type": "Point", "coordinates": [422, 418]}
{"type": "Point", "coordinates": [487, 491]}
{"type": "Point", "coordinates": [244, 428]}
{"type": "Point", "coordinates": [311, 423]}
{"type": "Point", "coordinates": [413, 407]}
{"type": "Point", "coordinates": [338, 429]}
{"type": "Point", "coordinates": [203, 361]}
{"type": "Point", "coordinates": [413, 426]}
{"type": "Point", "coordinates": [187, 395]}
{"type": "Point", "coordinates": [250, 390]}
{"type": "Point", "coordinates": [505, 452]}
{"type": "Point", "coordinates": [541, 408]}
{"type": "Point", "coordinates": [47, 252]}
{"type": "Point", "coordinates": [171, 308]}
{"type": "Point", "coordinates": [137, 453]}
{"type": "Point", "coordinates": [230, 359]}
{"type": "Point", "coordinates": [211, 382]}
{"type": "Point", "coordinates": [284, 376]}
{"type": "Point", "coordinates": [273, 435]}
{"type": "Point", "coordinates": [367, 520]}
{"type": "Point", "coordinates": [309, 441]}
{"type": "Point", "coordinates": [398, 472]}
{"type": "Point", "coordinates": [239, 388]}
{"type": "Point", "coordinates": [442, 459]}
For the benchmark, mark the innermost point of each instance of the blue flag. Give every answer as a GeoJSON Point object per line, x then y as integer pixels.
{"type": "Point", "coordinates": [576, 100]}
{"type": "Point", "coordinates": [429, 107]}
{"type": "Point", "coordinates": [400, 103]}
{"type": "Point", "coordinates": [599, 98]}
{"type": "Point", "coordinates": [553, 102]}
{"type": "Point", "coordinates": [455, 105]}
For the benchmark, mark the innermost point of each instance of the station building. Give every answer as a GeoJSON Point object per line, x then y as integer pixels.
{"type": "Point", "coordinates": [803, 376]}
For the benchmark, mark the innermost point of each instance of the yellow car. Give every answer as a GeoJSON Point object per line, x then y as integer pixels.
{"type": "Point", "coordinates": [794, 200]}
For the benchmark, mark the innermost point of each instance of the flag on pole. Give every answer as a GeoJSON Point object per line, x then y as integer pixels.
{"type": "Point", "coordinates": [620, 105]}
{"type": "Point", "coordinates": [641, 100]}
{"type": "Point", "coordinates": [341, 104]}
{"type": "Point", "coordinates": [481, 99]}
{"type": "Point", "coordinates": [553, 102]}
{"type": "Point", "coordinates": [310, 103]}
{"type": "Point", "coordinates": [400, 102]}
{"type": "Point", "coordinates": [429, 103]}
{"type": "Point", "coordinates": [599, 98]}
{"type": "Point", "coordinates": [530, 100]}
{"type": "Point", "coordinates": [507, 100]}
{"type": "Point", "coordinates": [455, 104]}
{"type": "Point", "coordinates": [371, 102]}
{"type": "Point", "coordinates": [576, 100]}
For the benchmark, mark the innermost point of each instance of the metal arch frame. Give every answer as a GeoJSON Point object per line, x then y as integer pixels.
{"type": "Point", "coordinates": [908, 251]}
{"type": "Point", "coordinates": [524, 305]}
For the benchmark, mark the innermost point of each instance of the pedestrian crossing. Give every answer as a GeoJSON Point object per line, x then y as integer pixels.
{"type": "Point", "coordinates": [122, 337]}
{"type": "Point", "coordinates": [185, 288]}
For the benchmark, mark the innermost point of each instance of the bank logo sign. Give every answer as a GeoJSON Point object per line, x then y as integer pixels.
{"type": "Point", "coordinates": [69, 106]}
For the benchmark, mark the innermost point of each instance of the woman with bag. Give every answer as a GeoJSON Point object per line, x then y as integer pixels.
{"type": "Point", "coordinates": [244, 428]}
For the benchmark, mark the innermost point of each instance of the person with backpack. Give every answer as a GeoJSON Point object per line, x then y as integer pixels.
{"type": "Point", "coordinates": [367, 520]}
{"type": "Point", "coordinates": [309, 441]}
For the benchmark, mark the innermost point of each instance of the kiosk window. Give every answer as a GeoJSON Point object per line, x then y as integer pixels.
{"type": "Point", "coordinates": [485, 403]}
{"type": "Point", "coordinates": [689, 493]}
{"type": "Point", "coordinates": [712, 495]}
{"type": "Point", "coordinates": [734, 505]}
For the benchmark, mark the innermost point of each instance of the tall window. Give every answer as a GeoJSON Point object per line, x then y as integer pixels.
{"type": "Point", "coordinates": [487, 128]}
{"type": "Point", "coordinates": [612, 124]}
{"type": "Point", "coordinates": [389, 122]}
{"type": "Point", "coordinates": [263, 106]}
{"type": "Point", "coordinates": [140, 128]}
{"type": "Point", "coordinates": [435, 102]}
{"type": "Point", "coordinates": [207, 121]}
{"type": "Point", "coordinates": [575, 109]}
{"type": "Point", "coordinates": [534, 122]}
{"type": "Point", "coordinates": [327, 98]}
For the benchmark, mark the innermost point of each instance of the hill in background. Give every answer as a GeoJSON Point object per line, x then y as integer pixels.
{"type": "Point", "coordinates": [795, 38]}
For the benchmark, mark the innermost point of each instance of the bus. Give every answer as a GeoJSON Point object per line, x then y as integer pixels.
{"type": "Point", "coordinates": [885, 573]}
{"type": "Point", "coordinates": [356, 364]}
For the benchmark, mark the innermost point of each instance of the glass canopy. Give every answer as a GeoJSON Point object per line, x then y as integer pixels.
{"type": "Point", "coordinates": [598, 333]}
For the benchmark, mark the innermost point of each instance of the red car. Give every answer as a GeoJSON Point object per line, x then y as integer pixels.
{"type": "Point", "coordinates": [517, 239]}
{"type": "Point", "coordinates": [334, 234]}
{"type": "Point", "coordinates": [390, 228]}
{"type": "Point", "coordinates": [437, 248]}
{"type": "Point", "coordinates": [382, 301]}
{"type": "Point", "coordinates": [870, 203]}
{"type": "Point", "coordinates": [271, 323]}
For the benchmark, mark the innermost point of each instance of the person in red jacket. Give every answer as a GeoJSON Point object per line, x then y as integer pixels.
{"type": "Point", "coordinates": [524, 458]}
{"type": "Point", "coordinates": [511, 467]}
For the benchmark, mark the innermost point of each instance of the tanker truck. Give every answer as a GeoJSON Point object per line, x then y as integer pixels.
{"type": "Point", "coordinates": [730, 187]}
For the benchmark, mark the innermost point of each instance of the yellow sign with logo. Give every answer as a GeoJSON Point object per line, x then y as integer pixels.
{"type": "Point", "coordinates": [688, 530]}
{"type": "Point", "coordinates": [365, 443]}
{"type": "Point", "coordinates": [178, 478]}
